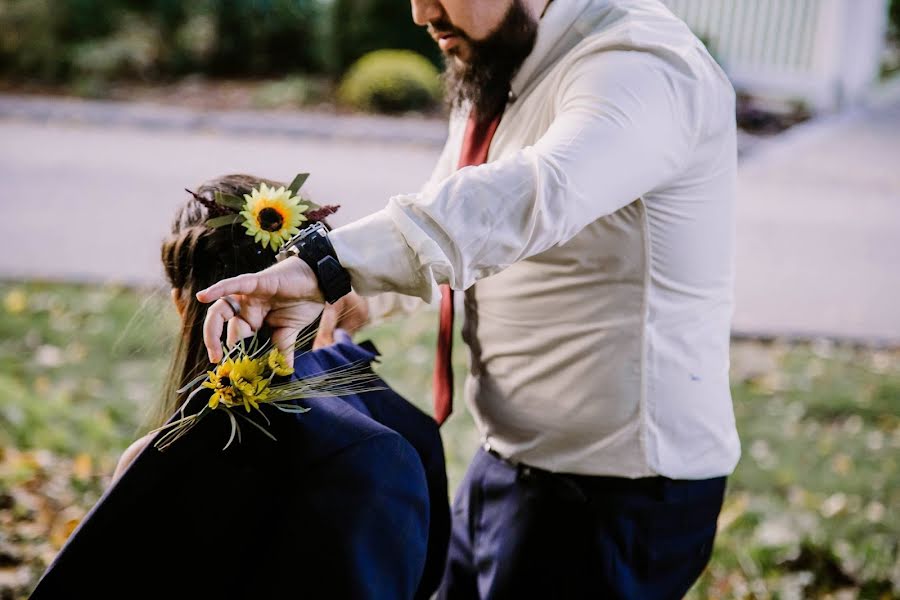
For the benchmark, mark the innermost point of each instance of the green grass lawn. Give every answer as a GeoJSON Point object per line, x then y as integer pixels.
{"type": "Point", "coordinates": [811, 510]}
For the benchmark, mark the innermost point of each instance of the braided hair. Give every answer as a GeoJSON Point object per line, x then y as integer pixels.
{"type": "Point", "coordinates": [194, 257]}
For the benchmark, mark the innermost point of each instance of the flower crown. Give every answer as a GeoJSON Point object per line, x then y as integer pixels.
{"type": "Point", "coordinates": [270, 215]}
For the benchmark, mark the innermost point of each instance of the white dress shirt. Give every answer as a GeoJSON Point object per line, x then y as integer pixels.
{"type": "Point", "coordinates": [595, 248]}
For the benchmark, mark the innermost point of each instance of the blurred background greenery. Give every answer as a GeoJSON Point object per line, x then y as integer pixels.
{"type": "Point", "coordinates": [811, 510]}
{"type": "Point", "coordinates": [89, 46]}
{"type": "Point", "coordinates": [296, 51]}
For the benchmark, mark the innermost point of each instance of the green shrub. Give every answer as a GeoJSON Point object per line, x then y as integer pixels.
{"type": "Point", "coordinates": [133, 51]}
{"type": "Point", "coordinates": [57, 40]}
{"type": "Point", "coordinates": [292, 91]}
{"type": "Point", "coordinates": [267, 37]}
{"type": "Point", "coordinates": [362, 26]}
{"type": "Point", "coordinates": [195, 42]}
{"type": "Point", "coordinates": [30, 41]}
{"type": "Point", "coordinates": [391, 81]}
{"type": "Point", "coordinates": [98, 39]}
{"type": "Point", "coordinates": [894, 17]}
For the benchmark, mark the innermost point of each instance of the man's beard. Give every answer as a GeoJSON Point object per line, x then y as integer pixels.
{"type": "Point", "coordinates": [483, 80]}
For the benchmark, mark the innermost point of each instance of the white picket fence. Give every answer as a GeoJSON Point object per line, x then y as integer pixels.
{"type": "Point", "coordinates": [824, 52]}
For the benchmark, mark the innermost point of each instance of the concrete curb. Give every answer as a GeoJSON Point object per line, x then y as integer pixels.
{"type": "Point", "coordinates": [398, 130]}
{"type": "Point", "coordinates": [414, 130]}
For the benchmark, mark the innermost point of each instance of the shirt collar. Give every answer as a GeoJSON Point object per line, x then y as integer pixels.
{"type": "Point", "coordinates": [557, 34]}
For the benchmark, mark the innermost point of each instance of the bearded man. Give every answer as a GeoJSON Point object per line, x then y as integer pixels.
{"type": "Point", "coordinates": [584, 204]}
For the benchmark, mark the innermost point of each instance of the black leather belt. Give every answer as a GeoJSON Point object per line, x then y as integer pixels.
{"type": "Point", "coordinates": [587, 486]}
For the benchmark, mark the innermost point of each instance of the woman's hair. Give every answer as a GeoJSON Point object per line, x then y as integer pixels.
{"type": "Point", "coordinates": [195, 257]}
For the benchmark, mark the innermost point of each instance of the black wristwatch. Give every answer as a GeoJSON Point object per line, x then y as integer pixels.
{"type": "Point", "coordinates": [314, 248]}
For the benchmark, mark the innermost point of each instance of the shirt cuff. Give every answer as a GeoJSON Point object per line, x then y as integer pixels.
{"type": "Point", "coordinates": [379, 259]}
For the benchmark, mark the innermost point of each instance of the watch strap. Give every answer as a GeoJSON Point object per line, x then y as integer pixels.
{"type": "Point", "coordinates": [334, 280]}
{"type": "Point", "coordinates": [313, 247]}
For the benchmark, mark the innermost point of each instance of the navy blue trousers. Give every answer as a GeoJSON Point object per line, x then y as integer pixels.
{"type": "Point", "coordinates": [520, 532]}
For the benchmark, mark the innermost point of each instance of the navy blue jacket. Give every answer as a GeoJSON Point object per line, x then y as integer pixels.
{"type": "Point", "coordinates": [336, 508]}
{"type": "Point", "coordinates": [395, 412]}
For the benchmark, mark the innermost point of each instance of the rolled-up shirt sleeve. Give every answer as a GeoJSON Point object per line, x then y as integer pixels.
{"type": "Point", "coordinates": [625, 124]}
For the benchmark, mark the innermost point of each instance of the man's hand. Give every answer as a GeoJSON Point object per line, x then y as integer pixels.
{"type": "Point", "coordinates": [286, 297]}
{"type": "Point", "coordinates": [350, 313]}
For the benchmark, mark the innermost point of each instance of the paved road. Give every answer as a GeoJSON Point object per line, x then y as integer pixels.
{"type": "Point", "coordinates": [818, 225]}
{"type": "Point", "coordinates": [93, 202]}
{"type": "Point", "coordinates": [818, 212]}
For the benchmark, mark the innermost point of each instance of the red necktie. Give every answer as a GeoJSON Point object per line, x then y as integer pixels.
{"type": "Point", "coordinates": [476, 142]}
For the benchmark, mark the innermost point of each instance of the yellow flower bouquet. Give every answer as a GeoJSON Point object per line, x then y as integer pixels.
{"type": "Point", "coordinates": [251, 376]}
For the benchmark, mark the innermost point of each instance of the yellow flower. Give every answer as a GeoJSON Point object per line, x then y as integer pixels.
{"type": "Point", "coordinates": [247, 373]}
{"type": "Point", "coordinates": [272, 215]}
{"type": "Point", "coordinates": [224, 395]}
{"type": "Point", "coordinates": [221, 376]}
{"type": "Point", "coordinates": [247, 369]}
{"type": "Point", "coordinates": [220, 381]}
{"type": "Point", "coordinates": [254, 388]}
{"type": "Point", "coordinates": [278, 363]}
{"type": "Point", "coordinates": [239, 382]}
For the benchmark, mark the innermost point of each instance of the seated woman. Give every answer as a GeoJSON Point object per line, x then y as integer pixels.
{"type": "Point", "coordinates": [338, 507]}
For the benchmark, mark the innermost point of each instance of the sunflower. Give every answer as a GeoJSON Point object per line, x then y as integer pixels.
{"type": "Point", "coordinates": [272, 216]}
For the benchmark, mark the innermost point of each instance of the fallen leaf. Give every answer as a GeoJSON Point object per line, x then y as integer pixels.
{"type": "Point", "coordinates": [48, 356]}
{"type": "Point", "coordinates": [41, 384]}
{"type": "Point", "coordinates": [14, 578]}
{"type": "Point", "coordinates": [841, 464]}
{"type": "Point", "coordinates": [82, 466]}
{"type": "Point", "coordinates": [734, 508]}
{"type": "Point", "coordinates": [15, 302]}
{"type": "Point", "coordinates": [875, 511]}
{"type": "Point", "coordinates": [65, 524]}
{"type": "Point", "coordinates": [833, 505]}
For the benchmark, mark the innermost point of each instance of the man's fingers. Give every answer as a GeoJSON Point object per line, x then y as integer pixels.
{"type": "Point", "coordinates": [285, 339]}
{"type": "Point", "coordinates": [237, 330]}
{"type": "Point", "coordinates": [242, 284]}
{"type": "Point", "coordinates": [216, 316]}
{"type": "Point", "coordinates": [327, 324]}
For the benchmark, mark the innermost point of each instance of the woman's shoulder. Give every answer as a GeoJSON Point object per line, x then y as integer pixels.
{"type": "Point", "coordinates": [330, 426]}
{"type": "Point", "coordinates": [130, 454]}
